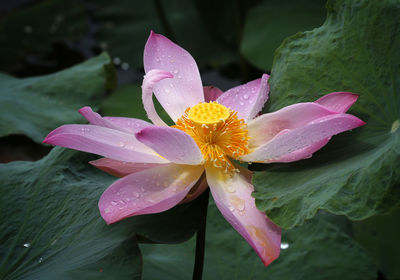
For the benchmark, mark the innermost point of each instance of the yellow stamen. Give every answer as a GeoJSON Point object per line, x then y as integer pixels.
{"type": "Point", "coordinates": [217, 131]}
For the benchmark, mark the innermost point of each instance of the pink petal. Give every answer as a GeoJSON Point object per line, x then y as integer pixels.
{"type": "Point", "coordinates": [263, 128]}
{"type": "Point", "coordinates": [172, 144]}
{"type": "Point", "coordinates": [129, 124]}
{"type": "Point", "coordinates": [211, 93]}
{"type": "Point", "coordinates": [185, 89]}
{"type": "Point", "coordinates": [293, 140]}
{"type": "Point", "coordinates": [151, 78]}
{"type": "Point", "coordinates": [149, 191]}
{"type": "Point", "coordinates": [121, 168]}
{"type": "Point", "coordinates": [232, 195]}
{"type": "Point", "coordinates": [247, 99]}
{"type": "Point", "coordinates": [103, 141]}
{"type": "Point", "coordinates": [338, 101]}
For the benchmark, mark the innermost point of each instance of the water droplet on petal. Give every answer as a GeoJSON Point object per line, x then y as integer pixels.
{"type": "Point", "coordinates": [284, 245]}
{"type": "Point", "coordinates": [245, 97]}
{"type": "Point", "coordinates": [114, 203]}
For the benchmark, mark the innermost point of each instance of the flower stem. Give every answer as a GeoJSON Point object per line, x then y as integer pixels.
{"type": "Point", "coordinates": [201, 238]}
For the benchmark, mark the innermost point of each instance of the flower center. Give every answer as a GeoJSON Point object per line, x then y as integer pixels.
{"type": "Point", "coordinates": [217, 131]}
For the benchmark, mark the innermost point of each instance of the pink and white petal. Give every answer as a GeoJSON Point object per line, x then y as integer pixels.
{"type": "Point", "coordinates": [211, 93]}
{"type": "Point", "coordinates": [95, 119]}
{"type": "Point", "coordinates": [339, 102]}
{"type": "Point", "coordinates": [247, 99]}
{"type": "Point", "coordinates": [263, 128]}
{"type": "Point", "coordinates": [172, 144]}
{"type": "Point", "coordinates": [151, 78]}
{"type": "Point", "coordinates": [129, 124]}
{"type": "Point", "coordinates": [232, 195]}
{"type": "Point", "coordinates": [150, 191]}
{"type": "Point", "coordinates": [293, 140]}
{"type": "Point", "coordinates": [122, 168]}
{"type": "Point", "coordinates": [103, 141]}
{"type": "Point", "coordinates": [185, 89]}
{"type": "Point", "coordinates": [302, 153]}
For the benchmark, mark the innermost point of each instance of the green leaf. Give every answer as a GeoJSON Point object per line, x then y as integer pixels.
{"type": "Point", "coordinates": [33, 28]}
{"type": "Point", "coordinates": [270, 22]}
{"type": "Point", "coordinates": [316, 250]}
{"type": "Point", "coordinates": [51, 228]}
{"type": "Point", "coordinates": [124, 29]}
{"type": "Point", "coordinates": [379, 235]}
{"type": "Point", "coordinates": [358, 173]}
{"type": "Point", "coordinates": [35, 106]}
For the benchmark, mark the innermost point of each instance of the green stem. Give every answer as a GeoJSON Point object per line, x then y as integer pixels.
{"type": "Point", "coordinates": [201, 239]}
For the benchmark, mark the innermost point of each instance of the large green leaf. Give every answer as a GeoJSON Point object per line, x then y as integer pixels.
{"type": "Point", "coordinates": [316, 250]}
{"type": "Point", "coordinates": [33, 28]}
{"type": "Point", "coordinates": [379, 235]}
{"type": "Point", "coordinates": [358, 173]}
{"type": "Point", "coordinates": [35, 106]}
{"type": "Point", "coordinates": [50, 226]}
{"type": "Point", "coordinates": [125, 27]}
{"type": "Point", "coordinates": [270, 22]}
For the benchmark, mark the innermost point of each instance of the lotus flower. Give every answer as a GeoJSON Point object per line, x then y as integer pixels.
{"type": "Point", "coordinates": [162, 166]}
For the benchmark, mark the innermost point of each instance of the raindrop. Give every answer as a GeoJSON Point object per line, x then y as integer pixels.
{"type": "Point", "coordinates": [28, 29]}
{"type": "Point", "coordinates": [245, 97]}
{"type": "Point", "coordinates": [27, 245]}
{"type": "Point", "coordinates": [284, 245]}
{"type": "Point", "coordinates": [40, 260]}
{"type": "Point", "coordinates": [116, 60]}
{"type": "Point", "coordinates": [231, 208]}
{"type": "Point", "coordinates": [125, 66]}
{"type": "Point", "coordinates": [179, 77]}
{"type": "Point", "coordinates": [121, 144]}
{"type": "Point", "coordinates": [158, 60]}
{"type": "Point", "coordinates": [137, 195]}
{"type": "Point", "coordinates": [241, 103]}
{"type": "Point", "coordinates": [230, 188]}
{"type": "Point", "coordinates": [176, 71]}
{"type": "Point", "coordinates": [103, 46]}
{"type": "Point", "coordinates": [114, 203]}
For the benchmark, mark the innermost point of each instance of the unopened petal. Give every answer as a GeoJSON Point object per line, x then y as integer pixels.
{"type": "Point", "coordinates": [150, 80]}
{"type": "Point", "coordinates": [172, 144]}
{"type": "Point", "coordinates": [232, 195]}
{"type": "Point", "coordinates": [247, 99]}
{"type": "Point", "coordinates": [185, 88]}
{"type": "Point", "coordinates": [150, 191]}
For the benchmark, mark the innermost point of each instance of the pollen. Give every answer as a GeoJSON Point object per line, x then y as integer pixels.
{"type": "Point", "coordinates": [219, 133]}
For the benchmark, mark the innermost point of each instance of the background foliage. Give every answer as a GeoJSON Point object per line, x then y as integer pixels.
{"type": "Point", "coordinates": [339, 209]}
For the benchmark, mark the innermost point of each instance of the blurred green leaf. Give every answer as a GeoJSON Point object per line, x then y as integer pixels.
{"type": "Point", "coordinates": [33, 28]}
{"type": "Point", "coordinates": [358, 173]}
{"type": "Point", "coordinates": [51, 228]}
{"type": "Point", "coordinates": [35, 106]}
{"type": "Point", "coordinates": [380, 237]}
{"type": "Point", "coordinates": [270, 22]}
{"type": "Point", "coordinates": [124, 29]}
{"type": "Point", "coordinates": [316, 250]}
